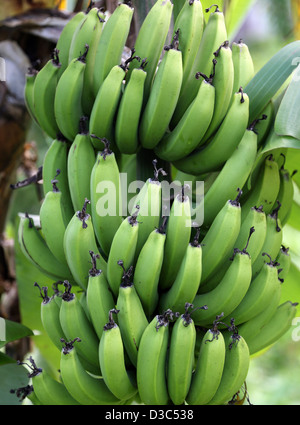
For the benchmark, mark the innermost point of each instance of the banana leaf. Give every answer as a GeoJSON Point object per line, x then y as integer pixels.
{"type": "Point", "coordinates": [287, 121]}
{"type": "Point", "coordinates": [270, 78]}
{"type": "Point", "coordinates": [235, 14]}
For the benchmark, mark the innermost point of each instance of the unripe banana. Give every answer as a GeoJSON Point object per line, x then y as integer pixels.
{"type": "Point", "coordinates": [81, 160]}
{"type": "Point", "coordinates": [35, 249]}
{"type": "Point", "coordinates": [131, 318]}
{"type": "Point", "coordinates": [65, 39]}
{"type": "Point", "coordinates": [178, 237]}
{"type": "Point", "coordinates": [54, 221]}
{"type": "Point", "coordinates": [220, 238]}
{"type": "Point", "coordinates": [48, 391]}
{"type": "Point", "coordinates": [272, 243]}
{"type": "Point", "coordinates": [56, 159]}
{"type": "Point", "coordinates": [68, 97]}
{"type": "Point", "coordinates": [75, 322]}
{"type": "Point", "coordinates": [130, 110]}
{"type": "Point", "coordinates": [228, 294]}
{"type": "Point", "coordinates": [163, 97]}
{"type": "Point", "coordinates": [285, 195]}
{"type": "Point", "coordinates": [79, 239]}
{"type": "Point", "coordinates": [181, 356]}
{"type": "Point", "coordinates": [187, 282]}
{"type": "Point", "coordinates": [209, 369]}
{"type": "Point", "coordinates": [213, 155]}
{"type": "Point", "coordinates": [112, 361]}
{"type": "Point", "coordinates": [85, 388]}
{"type": "Point", "coordinates": [111, 44]}
{"type": "Point", "coordinates": [223, 76]}
{"type": "Point", "coordinates": [105, 189]}
{"type": "Point", "coordinates": [265, 187]}
{"type": "Point", "coordinates": [189, 21]}
{"type": "Point", "coordinates": [98, 296]}
{"type": "Point", "coordinates": [151, 361]}
{"type": "Point", "coordinates": [148, 268]}
{"type": "Point", "coordinates": [151, 39]}
{"type": "Point", "coordinates": [237, 360]}
{"type": "Point", "coordinates": [214, 35]}
{"type": "Point", "coordinates": [106, 104]}
{"type": "Point", "coordinates": [284, 261]}
{"type": "Point", "coordinates": [189, 131]}
{"type": "Point", "coordinates": [28, 92]}
{"type": "Point", "coordinates": [50, 317]}
{"type": "Point", "coordinates": [44, 92]}
{"type": "Point", "coordinates": [122, 248]}
{"type": "Point", "coordinates": [277, 326]}
{"type": "Point", "coordinates": [243, 65]}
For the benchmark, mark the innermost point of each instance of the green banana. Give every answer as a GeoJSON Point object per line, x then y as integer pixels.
{"type": "Point", "coordinates": [54, 220]}
{"type": "Point", "coordinates": [122, 248]}
{"type": "Point", "coordinates": [277, 326]}
{"type": "Point", "coordinates": [151, 361]}
{"type": "Point", "coordinates": [220, 238]}
{"type": "Point", "coordinates": [131, 318]}
{"type": "Point", "coordinates": [56, 158]}
{"type": "Point", "coordinates": [98, 296]}
{"type": "Point", "coordinates": [50, 317]}
{"type": "Point", "coordinates": [64, 42]}
{"type": "Point", "coordinates": [105, 181]}
{"type": "Point", "coordinates": [189, 131]}
{"type": "Point", "coordinates": [35, 249]}
{"type": "Point", "coordinates": [189, 21]}
{"type": "Point", "coordinates": [74, 321]}
{"type": "Point", "coordinates": [151, 38]}
{"type": "Point", "coordinates": [85, 388]}
{"type": "Point", "coordinates": [88, 97]}
{"type": "Point", "coordinates": [130, 110]}
{"type": "Point", "coordinates": [265, 188]}
{"type": "Point", "coordinates": [148, 268]}
{"type": "Point", "coordinates": [68, 97]}
{"type": "Point", "coordinates": [177, 7]}
{"type": "Point", "coordinates": [178, 235]}
{"type": "Point", "coordinates": [285, 195]}
{"type": "Point", "coordinates": [252, 327]}
{"type": "Point", "coordinates": [112, 361]}
{"type": "Point", "coordinates": [284, 260]}
{"type": "Point", "coordinates": [48, 391]}
{"type": "Point", "coordinates": [272, 243]}
{"type": "Point", "coordinates": [79, 239]}
{"type": "Point", "coordinates": [106, 104]}
{"type": "Point", "coordinates": [44, 90]}
{"type": "Point", "coordinates": [235, 172]}
{"type": "Point", "coordinates": [223, 77]}
{"type": "Point", "coordinates": [243, 65]}
{"type": "Point", "coordinates": [111, 44]}
{"type": "Point", "coordinates": [209, 369]}
{"type": "Point", "coordinates": [214, 35]}
{"type": "Point", "coordinates": [149, 201]}
{"type": "Point", "coordinates": [237, 360]}
{"type": "Point", "coordinates": [163, 97]}
{"type": "Point", "coordinates": [81, 160]}
{"type": "Point", "coordinates": [213, 155]}
{"type": "Point", "coordinates": [187, 282]}
{"type": "Point", "coordinates": [229, 293]}
{"type": "Point", "coordinates": [258, 295]}
{"type": "Point", "coordinates": [181, 356]}
{"type": "Point", "coordinates": [30, 78]}
{"type": "Point", "coordinates": [85, 32]}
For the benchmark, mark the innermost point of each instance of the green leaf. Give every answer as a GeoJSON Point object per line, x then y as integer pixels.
{"type": "Point", "coordinates": [13, 331]}
{"type": "Point", "coordinates": [275, 141]}
{"type": "Point", "coordinates": [269, 79]}
{"type": "Point", "coordinates": [287, 121]}
{"type": "Point", "coordinates": [12, 376]}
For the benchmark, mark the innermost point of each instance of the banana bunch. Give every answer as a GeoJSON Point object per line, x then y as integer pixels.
{"type": "Point", "coordinates": [155, 308]}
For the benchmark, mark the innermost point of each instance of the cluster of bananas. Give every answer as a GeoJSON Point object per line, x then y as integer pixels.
{"type": "Point", "coordinates": [154, 309]}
